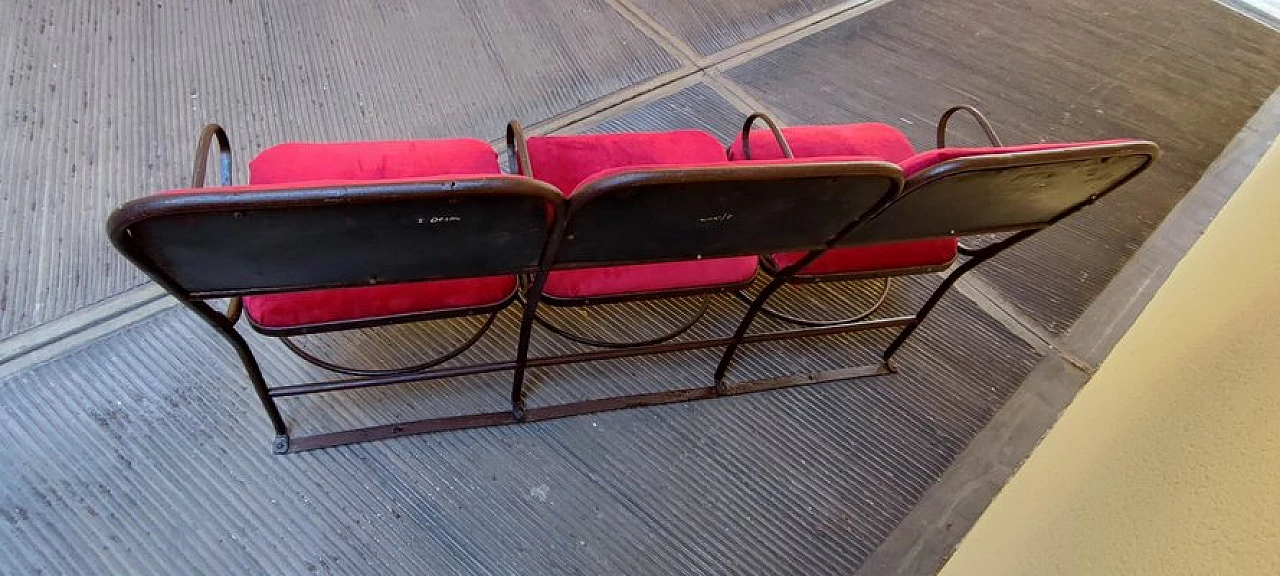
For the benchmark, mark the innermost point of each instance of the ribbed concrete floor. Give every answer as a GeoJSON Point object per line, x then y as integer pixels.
{"type": "Point", "coordinates": [143, 451]}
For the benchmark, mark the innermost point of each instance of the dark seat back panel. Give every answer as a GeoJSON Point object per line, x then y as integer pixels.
{"type": "Point", "coordinates": [1010, 192]}
{"type": "Point", "coordinates": [665, 215]}
{"type": "Point", "coordinates": [229, 244]}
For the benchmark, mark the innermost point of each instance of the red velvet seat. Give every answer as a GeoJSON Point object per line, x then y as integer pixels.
{"type": "Point", "coordinates": [869, 139]}
{"type": "Point", "coordinates": [364, 161]}
{"type": "Point", "coordinates": [567, 161]}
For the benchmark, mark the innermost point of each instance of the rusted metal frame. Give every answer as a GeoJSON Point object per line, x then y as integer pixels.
{"type": "Point", "coordinates": [225, 325]}
{"type": "Point", "coordinates": [977, 116]}
{"type": "Point", "coordinates": [222, 322]}
{"type": "Point", "coordinates": [542, 413]}
{"type": "Point", "coordinates": [516, 143]}
{"type": "Point", "coordinates": [228, 331]}
{"type": "Point", "coordinates": [580, 357]}
{"type": "Point", "coordinates": [531, 299]}
{"type": "Point", "coordinates": [979, 255]}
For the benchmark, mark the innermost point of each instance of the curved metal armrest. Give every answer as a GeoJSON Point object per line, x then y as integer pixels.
{"type": "Point", "coordinates": [234, 308]}
{"type": "Point", "coordinates": [207, 135]}
{"type": "Point", "coordinates": [518, 149]}
{"type": "Point", "coordinates": [773, 127]}
{"type": "Point", "coordinates": [977, 116]}
{"type": "Point", "coordinates": [203, 142]}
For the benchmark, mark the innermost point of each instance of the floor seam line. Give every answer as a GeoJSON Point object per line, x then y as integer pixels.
{"type": "Point", "coordinates": [674, 46]}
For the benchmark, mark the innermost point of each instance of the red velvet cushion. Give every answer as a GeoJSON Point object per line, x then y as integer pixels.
{"type": "Point", "coordinates": [876, 258]}
{"type": "Point", "coordinates": [329, 184]}
{"type": "Point", "coordinates": [292, 309]}
{"type": "Point", "coordinates": [649, 278]}
{"type": "Point", "coordinates": [302, 162]}
{"type": "Point", "coordinates": [869, 139]}
{"type": "Point", "coordinates": [365, 161]}
{"type": "Point", "coordinates": [567, 161]}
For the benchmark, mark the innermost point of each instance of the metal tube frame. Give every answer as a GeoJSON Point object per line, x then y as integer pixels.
{"type": "Point", "coordinates": [704, 303]}
{"type": "Point", "coordinates": [224, 324]}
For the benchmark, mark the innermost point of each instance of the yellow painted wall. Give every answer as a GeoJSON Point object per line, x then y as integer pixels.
{"type": "Point", "coordinates": [1168, 461]}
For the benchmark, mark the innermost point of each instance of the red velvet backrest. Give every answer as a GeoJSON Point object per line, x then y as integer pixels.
{"type": "Point", "coordinates": [959, 192]}
{"type": "Point", "coordinates": [276, 238]}
{"type": "Point", "coordinates": [652, 214]}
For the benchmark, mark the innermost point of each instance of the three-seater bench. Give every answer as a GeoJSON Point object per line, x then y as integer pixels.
{"type": "Point", "coordinates": [343, 236]}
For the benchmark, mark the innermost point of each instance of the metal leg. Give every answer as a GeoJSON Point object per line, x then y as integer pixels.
{"type": "Point", "coordinates": [530, 299]}
{"type": "Point", "coordinates": [228, 331]}
{"type": "Point", "coordinates": [522, 348]}
{"type": "Point", "coordinates": [978, 256]}
{"type": "Point", "coordinates": [756, 305]}
{"type": "Point", "coordinates": [519, 150]}
{"type": "Point", "coordinates": [447, 356]}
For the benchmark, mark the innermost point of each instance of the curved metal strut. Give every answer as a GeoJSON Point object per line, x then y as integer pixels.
{"type": "Point", "coordinates": [703, 305]}
{"type": "Point", "coordinates": [297, 350]}
{"type": "Point", "coordinates": [811, 323]}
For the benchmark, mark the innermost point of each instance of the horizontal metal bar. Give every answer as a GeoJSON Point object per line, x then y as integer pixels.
{"type": "Point", "coordinates": [403, 429]}
{"type": "Point", "coordinates": [806, 379]}
{"type": "Point", "coordinates": [620, 403]}
{"type": "Point", "coordinates": [572, 409]}
{"type": "Point", "coordinates": [594, 355]}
